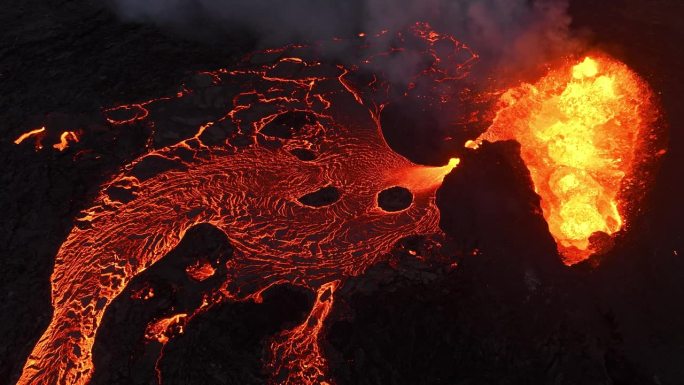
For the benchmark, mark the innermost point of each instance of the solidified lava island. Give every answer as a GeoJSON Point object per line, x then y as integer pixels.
{"type": "Point", "coordinates": [294, 173]}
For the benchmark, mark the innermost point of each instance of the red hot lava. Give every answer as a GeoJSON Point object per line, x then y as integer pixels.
{"type": "Point", "coordinates": [585, 130]}
{"type": "Point", "coordinates": [256, 195]}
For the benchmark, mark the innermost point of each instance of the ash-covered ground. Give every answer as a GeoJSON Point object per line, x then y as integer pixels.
{"type": "Point", "coordinates": [510, 314]}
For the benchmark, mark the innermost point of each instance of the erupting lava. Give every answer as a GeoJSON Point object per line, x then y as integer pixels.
{"type": "Point", "coordinates": [583, 131]}
{"type": "Point", "coordinates": [295, 184]}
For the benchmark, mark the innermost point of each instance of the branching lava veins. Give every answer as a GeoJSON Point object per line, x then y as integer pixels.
{"type": "Point", "coordinates": [251, 193]}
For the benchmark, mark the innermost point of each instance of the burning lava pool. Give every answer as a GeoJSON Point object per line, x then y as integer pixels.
{"type": "Point", "coordinates": [294, 182]}
{"type": "Point", "coordinates": [585, 130]}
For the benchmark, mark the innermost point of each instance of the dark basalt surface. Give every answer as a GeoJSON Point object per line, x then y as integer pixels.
{"type": "Point", "coordinates": [507, 312]}
{"type": "Point", "coordinates": [324, 196]}
{"type": "Point", "coordinates": [395, 198]}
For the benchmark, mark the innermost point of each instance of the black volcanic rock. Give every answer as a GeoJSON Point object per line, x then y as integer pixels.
{"type": "Point", "coordinates": [510, 313]}
{"type": "Point", "coordinates": [489, 202]}
{"type": "Point", "coordinates": [324, 196]}
{"type": "Point", "coordinates": [395, 198]}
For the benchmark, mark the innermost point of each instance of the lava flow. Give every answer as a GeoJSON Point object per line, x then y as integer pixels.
{"type": "Point", "coordinates": [294, 184]}
{"type": "Point", "coordinates": [584, 130]}
{"type": "Point", "coordinates": [295, 137]}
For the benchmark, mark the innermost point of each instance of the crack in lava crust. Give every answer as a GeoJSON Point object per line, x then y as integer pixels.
{"type": "Point", "coordinates": [251, 194]}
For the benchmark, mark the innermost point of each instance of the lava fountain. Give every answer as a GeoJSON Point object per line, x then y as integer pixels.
{"type": "Point", "coordinates": [584, 129]}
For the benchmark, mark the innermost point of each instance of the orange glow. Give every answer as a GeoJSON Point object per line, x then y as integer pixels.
{"type": "Point", "coordinates": [161, 330]}
{"type": "Point", "coordinates": [144, 293]}
{"type": "Point", "coordinates": [422, 178]}
{"type": "Point", "coordinates": [200, 271]}
{"type": "Point", "coordinates": [252, 194]}
{"type": "Point", "coordinates": [471, 144]}
{"type": "Point", "coordinates": [29, 134]}
{"type": "Point", "coordinates": [296, 352]}
{"type": "Point", "coordinates": [64, 139]}
{"type": "Point", "coordinates": [580, 129]}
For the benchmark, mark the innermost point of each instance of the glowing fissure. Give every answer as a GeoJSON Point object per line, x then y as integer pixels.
{"type": "Point", "coordinates": [583, 131]}
{"type": "Point", "coordinates": [36, 133]}
{"type": "Point", "coordinates": [251, 194]}
{"type": "Point", "coordinates": [64, 139]}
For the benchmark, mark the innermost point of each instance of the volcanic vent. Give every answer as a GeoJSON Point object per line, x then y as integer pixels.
{"type": "Point", "coordinates": [586, 131]}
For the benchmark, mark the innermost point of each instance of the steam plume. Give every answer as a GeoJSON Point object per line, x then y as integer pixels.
{"type": "Point", "coordinates": [509, 33]}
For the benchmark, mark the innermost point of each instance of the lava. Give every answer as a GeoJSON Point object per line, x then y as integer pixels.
{"type": "Point", "coordinates": [200, 271]}
{"type": "Point", "coordinates": [583, 130]}
{"type": "Point", "coordinates": [36, 133]}
{"type": "Point", "coordinates": [252, 187]}
{"type": "Point", "coordinates": [295, 188]}
{"type": "Point", "coordinates": [162, 329]}
{"type": "Point", "coordinates": [297, 351]}
{"type": "Point", "coordinates": [64, 139]}
{"type": "Point", "coordinates": [39, 135]}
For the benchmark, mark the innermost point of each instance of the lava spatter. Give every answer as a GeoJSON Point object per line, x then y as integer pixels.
{"type": "Point", "coordinates": [252, 192]}
{"type": "Point", "coordinates": [585, 129]}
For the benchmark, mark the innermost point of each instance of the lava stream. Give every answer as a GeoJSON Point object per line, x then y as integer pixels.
{"type": "Point", "coordinates": [583, 130]}
{"type": "Point", "coordinates": [254, 195]}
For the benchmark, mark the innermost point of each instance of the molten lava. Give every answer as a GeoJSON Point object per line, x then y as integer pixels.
{"type": "Point", "coordinates": [37, 133]}
{"type": "Point", "coordinates": [295, 184]}
{"type": "Point", "coordinates": [162, 330]}
{"type": "Point", "coordinates": [302, 342]}
{"type": "Point", "coordinates": [200, 271]}
{"type": "Point", "coordinates": [300, 127]}
{"type": "Point", "coordinates": [582, 130]}
{"type": "Point", "coordinates": [64, 139]}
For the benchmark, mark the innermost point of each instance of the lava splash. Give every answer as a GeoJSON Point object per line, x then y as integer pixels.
{"type": "Point", "coordinates": [584, 131]}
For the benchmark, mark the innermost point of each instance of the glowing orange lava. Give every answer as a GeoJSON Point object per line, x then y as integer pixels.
{"type": "Point", "coordinates": [200, 271]}
{"type": "Point", "coordinates": [162, 329]}
{"type": "Point", "coordinates": [32, 133]}
{"type": "Point", "coordinates": [64, 139]}
{"type": "Point", "coordinates": [254, 194]}
{"type": "Point", "coordinates": [582, 130]}
{"type": "Point", "coordinates": [298, 351]}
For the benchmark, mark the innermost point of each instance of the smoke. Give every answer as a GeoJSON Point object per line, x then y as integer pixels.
{"type": "Point", "coordinates": [512, 34]}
